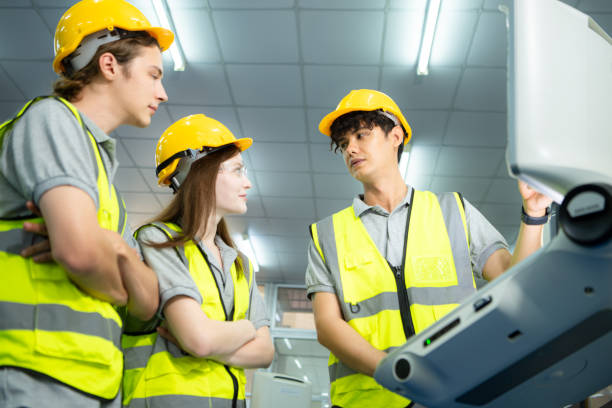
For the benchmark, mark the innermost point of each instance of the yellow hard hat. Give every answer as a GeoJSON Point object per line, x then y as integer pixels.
{"type": "Point", "coordinates": [187, 136]}
{"type": "Point", "coordinates": [365, 100]}
{"type": "Point", "coordinates": [91, 16]}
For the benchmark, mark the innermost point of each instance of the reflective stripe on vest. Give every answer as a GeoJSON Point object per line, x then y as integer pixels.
{"type": "Point", "coordinates": [437, 276]}
{"type": "Point", "coordinates": [158, 372]}
{"type": "Point", "coordinates": [49, 325]}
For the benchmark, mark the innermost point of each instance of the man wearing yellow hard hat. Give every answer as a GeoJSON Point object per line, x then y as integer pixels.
{"type": "Point", "coordinates": [397, 259]}
{"type": "Point", "coordinates": [60, 333]}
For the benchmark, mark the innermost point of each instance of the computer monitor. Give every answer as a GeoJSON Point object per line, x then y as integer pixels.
{"type": "Point", "coordinates": [559, 97]}
{"type": "Point", "coordinates": [540, 335]}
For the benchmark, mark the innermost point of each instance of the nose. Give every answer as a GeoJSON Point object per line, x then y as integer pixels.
{"type": "Point", "coordinates": [161, 93]}
{"type": "Point", "coordinates": [247, 183]}
{"type": "Point", "coordinates": [351, 148]}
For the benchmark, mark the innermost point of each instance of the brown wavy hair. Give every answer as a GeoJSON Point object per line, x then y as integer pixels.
{"type": "Point", "coordinates": [194, 202]}
{"type": "Point", "coordinates": [69, 86]}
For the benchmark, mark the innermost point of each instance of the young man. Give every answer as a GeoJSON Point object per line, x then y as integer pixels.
{"type": "Point", "coordinates": [398, 259]}
{"type": "Point", "coordinates": [60, 334]}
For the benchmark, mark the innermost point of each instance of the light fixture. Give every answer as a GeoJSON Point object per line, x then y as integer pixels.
{"type": "Point", "coordinates": [163, 15]}
{"type": "Point", "coordinates": [306, 378]}
{"type": "Point", "coordinates": [403, 164]}
{"type": "Point", "coordinates": [244, 245]}
{"type": "Point", "coordinates": [297, 363]}
{"type": "Point", "coordinates": [431, 20]}
{"type": "Point", "coordinates": [288, 343]}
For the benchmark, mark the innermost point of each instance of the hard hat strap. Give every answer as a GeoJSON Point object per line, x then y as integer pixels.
{"type": "Point", "coordinates": [90, 44]}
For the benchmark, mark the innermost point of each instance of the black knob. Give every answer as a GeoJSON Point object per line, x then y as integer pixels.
{"type": "Point", "coordinates": [586, 214]}
{"type": "Point", "coordinates": [402, 368]}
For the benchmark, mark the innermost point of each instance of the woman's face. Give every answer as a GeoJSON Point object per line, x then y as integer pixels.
{"type": "Point", "coordinates": [231, 187]}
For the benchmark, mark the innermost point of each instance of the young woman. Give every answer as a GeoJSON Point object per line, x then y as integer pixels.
{"type": "Point", "coordinates": [211, 322]}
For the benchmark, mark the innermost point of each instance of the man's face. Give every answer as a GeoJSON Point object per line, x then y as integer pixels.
{"type": "Point", "coordinates": [368, 153]}
{"type": "Point", "coordinates": [140, 89]}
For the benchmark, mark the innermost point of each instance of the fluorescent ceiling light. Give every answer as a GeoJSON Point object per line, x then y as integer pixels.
{"type": "Point", "coordinates": [306, 378]}
{"type": "Point", "coordinates": [288, 343]}
{"type": "Point", "coordinates": [244, 245]}
{"type": "Point", "coordinates": [297, 363]}
{"type": "Point", "coordinates": [163, 15]}
{"type": "Point", "coordinates": [403, 164]}
{"type": "Point", "coordinates": [431, 20]}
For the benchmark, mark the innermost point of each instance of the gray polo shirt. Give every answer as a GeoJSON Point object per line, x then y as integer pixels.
{"type": "Point", "coordinates": [175, 279]}
{"type": "Point", "coordinates": [47, 148]}
{"type": "Point", "coordinates": [387, 232]}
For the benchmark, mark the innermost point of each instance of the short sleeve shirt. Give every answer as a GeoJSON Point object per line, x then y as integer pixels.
{"type": "Point", "coordinates": [387, 232]}
{"type": "Point", "coordinates": [47, 148]}
{"type": "Point", "coordinates": [175, 280]}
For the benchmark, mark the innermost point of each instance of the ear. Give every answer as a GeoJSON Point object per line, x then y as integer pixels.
{"type": "Point", "coordinates": [397, 136]}
{"type": "Point", "coordinates": [109, 67]}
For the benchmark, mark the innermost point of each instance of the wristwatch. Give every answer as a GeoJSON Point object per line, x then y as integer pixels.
{"type": "Point", "coordinates": [529, 220]}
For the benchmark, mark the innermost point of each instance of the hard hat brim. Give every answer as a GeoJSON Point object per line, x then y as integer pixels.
{"type": "Point", "coordinates": [328, 120]}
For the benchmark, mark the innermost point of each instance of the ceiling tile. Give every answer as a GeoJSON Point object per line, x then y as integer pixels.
{"type": "Point", "coordinates": [476, 129]}
{"type": "Point", "coordinates": [341, 4]}
{"type": "Point", "coordinates": [255, 207]}
{"type": "Point", "coordinates": [472, 188]}
{"type": "Point", "coordinates": [298, 245]}
{"type": "Point", "coordinates": [195, 33]}
{"type": "Point", "coordinates": [141, 202]}
{"type": "Point", "coordinates": [453, 37]}
{"type": "Point", "coordinates": [279, 157]}
{"type": "Point", "coordinates": [423, 160]}
{"type": "Point", "coordinates": [504, 191]}
{"type": "Point", "coordinates": [403, 36]}
{"type": "Point", "coordinates": [266, 255]}
{"type": "Point", "coordinates": [434, 91]}
{"type": "Point", "coordinates": [122, 155]}
{"type": "Point", "coordinates": [159, 123]}
{"type": "Point", "coordinates": [461, 5]}
{"type": "Point", "coordinates": [9, 109]}
{"type": "Point", "coordinates": [225, 115]}
{"type": "Point", "coordinates": [188, 4]}
{"type": "Point", "coordinates": [419, 181]}
{"type": "Point", "coordinates": [16, 3]}
{"type": "Point", "coordinates": [8, 90]}
{"type": "Point", "coordinates": [326, 206]}
{"type": "Point", "coordinates": [314, 116]}
{"type": "Point", "coordinates": [266, 85]}
{"type": "Point", "coordinates": [34, 78]}
{"type": "Point", "coordinates": [51, 17]}
{"type": "Point", "coordinates": [289, 207]}
{"type": "Point", "coordinates": [427, 126]}
{"type": "Point", "coordinates": [489, 44]}
{"type": "Point", "coordinates": [509, 233]}
{"type": "Point", "coordinates": [409, 4]}
{"type": "Point", "coordinates": [501, 214]}
{"type": "Point", "coordinates": [165, 199]}
{"type": "Point", "coordinates": [482, 89]}
{"type": "Point", "coordinates": [239, 4]}
{"type": "Point", "coordinates": [493, 5]}
{"type": "Point", "coordinates": [336, 186]}
{"type": "Point", "coordinates": [326, 85]}
{"type": "Point", "coordinates": [273, 124]}
{"type": "Point", "coordinates": [280, 226]}
{"type": "Point", "coordinates": [264, 36]}
{"type": "Point", "coordinates": [590, 6]}
{"type": "Point", "coordinates": [326, 161]}
{"type": "Point", "coordinates": [142, 151]}
{"type": "Point", "coordinates": [284, 184]}
{"type": "Point", "coordinates": [151, 180]}
{"type": "Point", "coordinates": [35, 41]}
{"type": "Point", "coordinates": [326, 41]}
{"type": "Point", "coordinates": [460, 161]}
{"type": "Point", "coordinates": [502, 171]}
{"type": "Point", "coordinates": [130, 180]}
{"type": "Point", "coordinates": [199, 84]}
{"type": "Point", "coordinates": [604, 20]}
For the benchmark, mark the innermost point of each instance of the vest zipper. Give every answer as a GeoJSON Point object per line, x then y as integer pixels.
{"type": "Point", "coordinates": [228, 317]}
{"type": "Point", "coordinates": [404, 303]}
{"type": "Point", "coordinates": [235, 381]}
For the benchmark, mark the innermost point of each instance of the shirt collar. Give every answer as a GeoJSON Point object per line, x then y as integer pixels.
{"type": "Point", "coordinates": [360, 207]}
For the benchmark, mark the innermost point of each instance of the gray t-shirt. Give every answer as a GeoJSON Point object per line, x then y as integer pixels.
{"type": "Point", "coordinates": [387, 232]}
{"type": "Point", "coordinates": [47, 148]}
{"type": "Point", "coordinates": [174, 278]}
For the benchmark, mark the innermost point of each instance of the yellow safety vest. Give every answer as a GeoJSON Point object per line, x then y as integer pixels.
{"type": "Point", "coordinates": [436, 276]}
{"type": "Point", "coordinates": [157, 373]}
{"type": "Point", "coordinates": [48, 324]}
